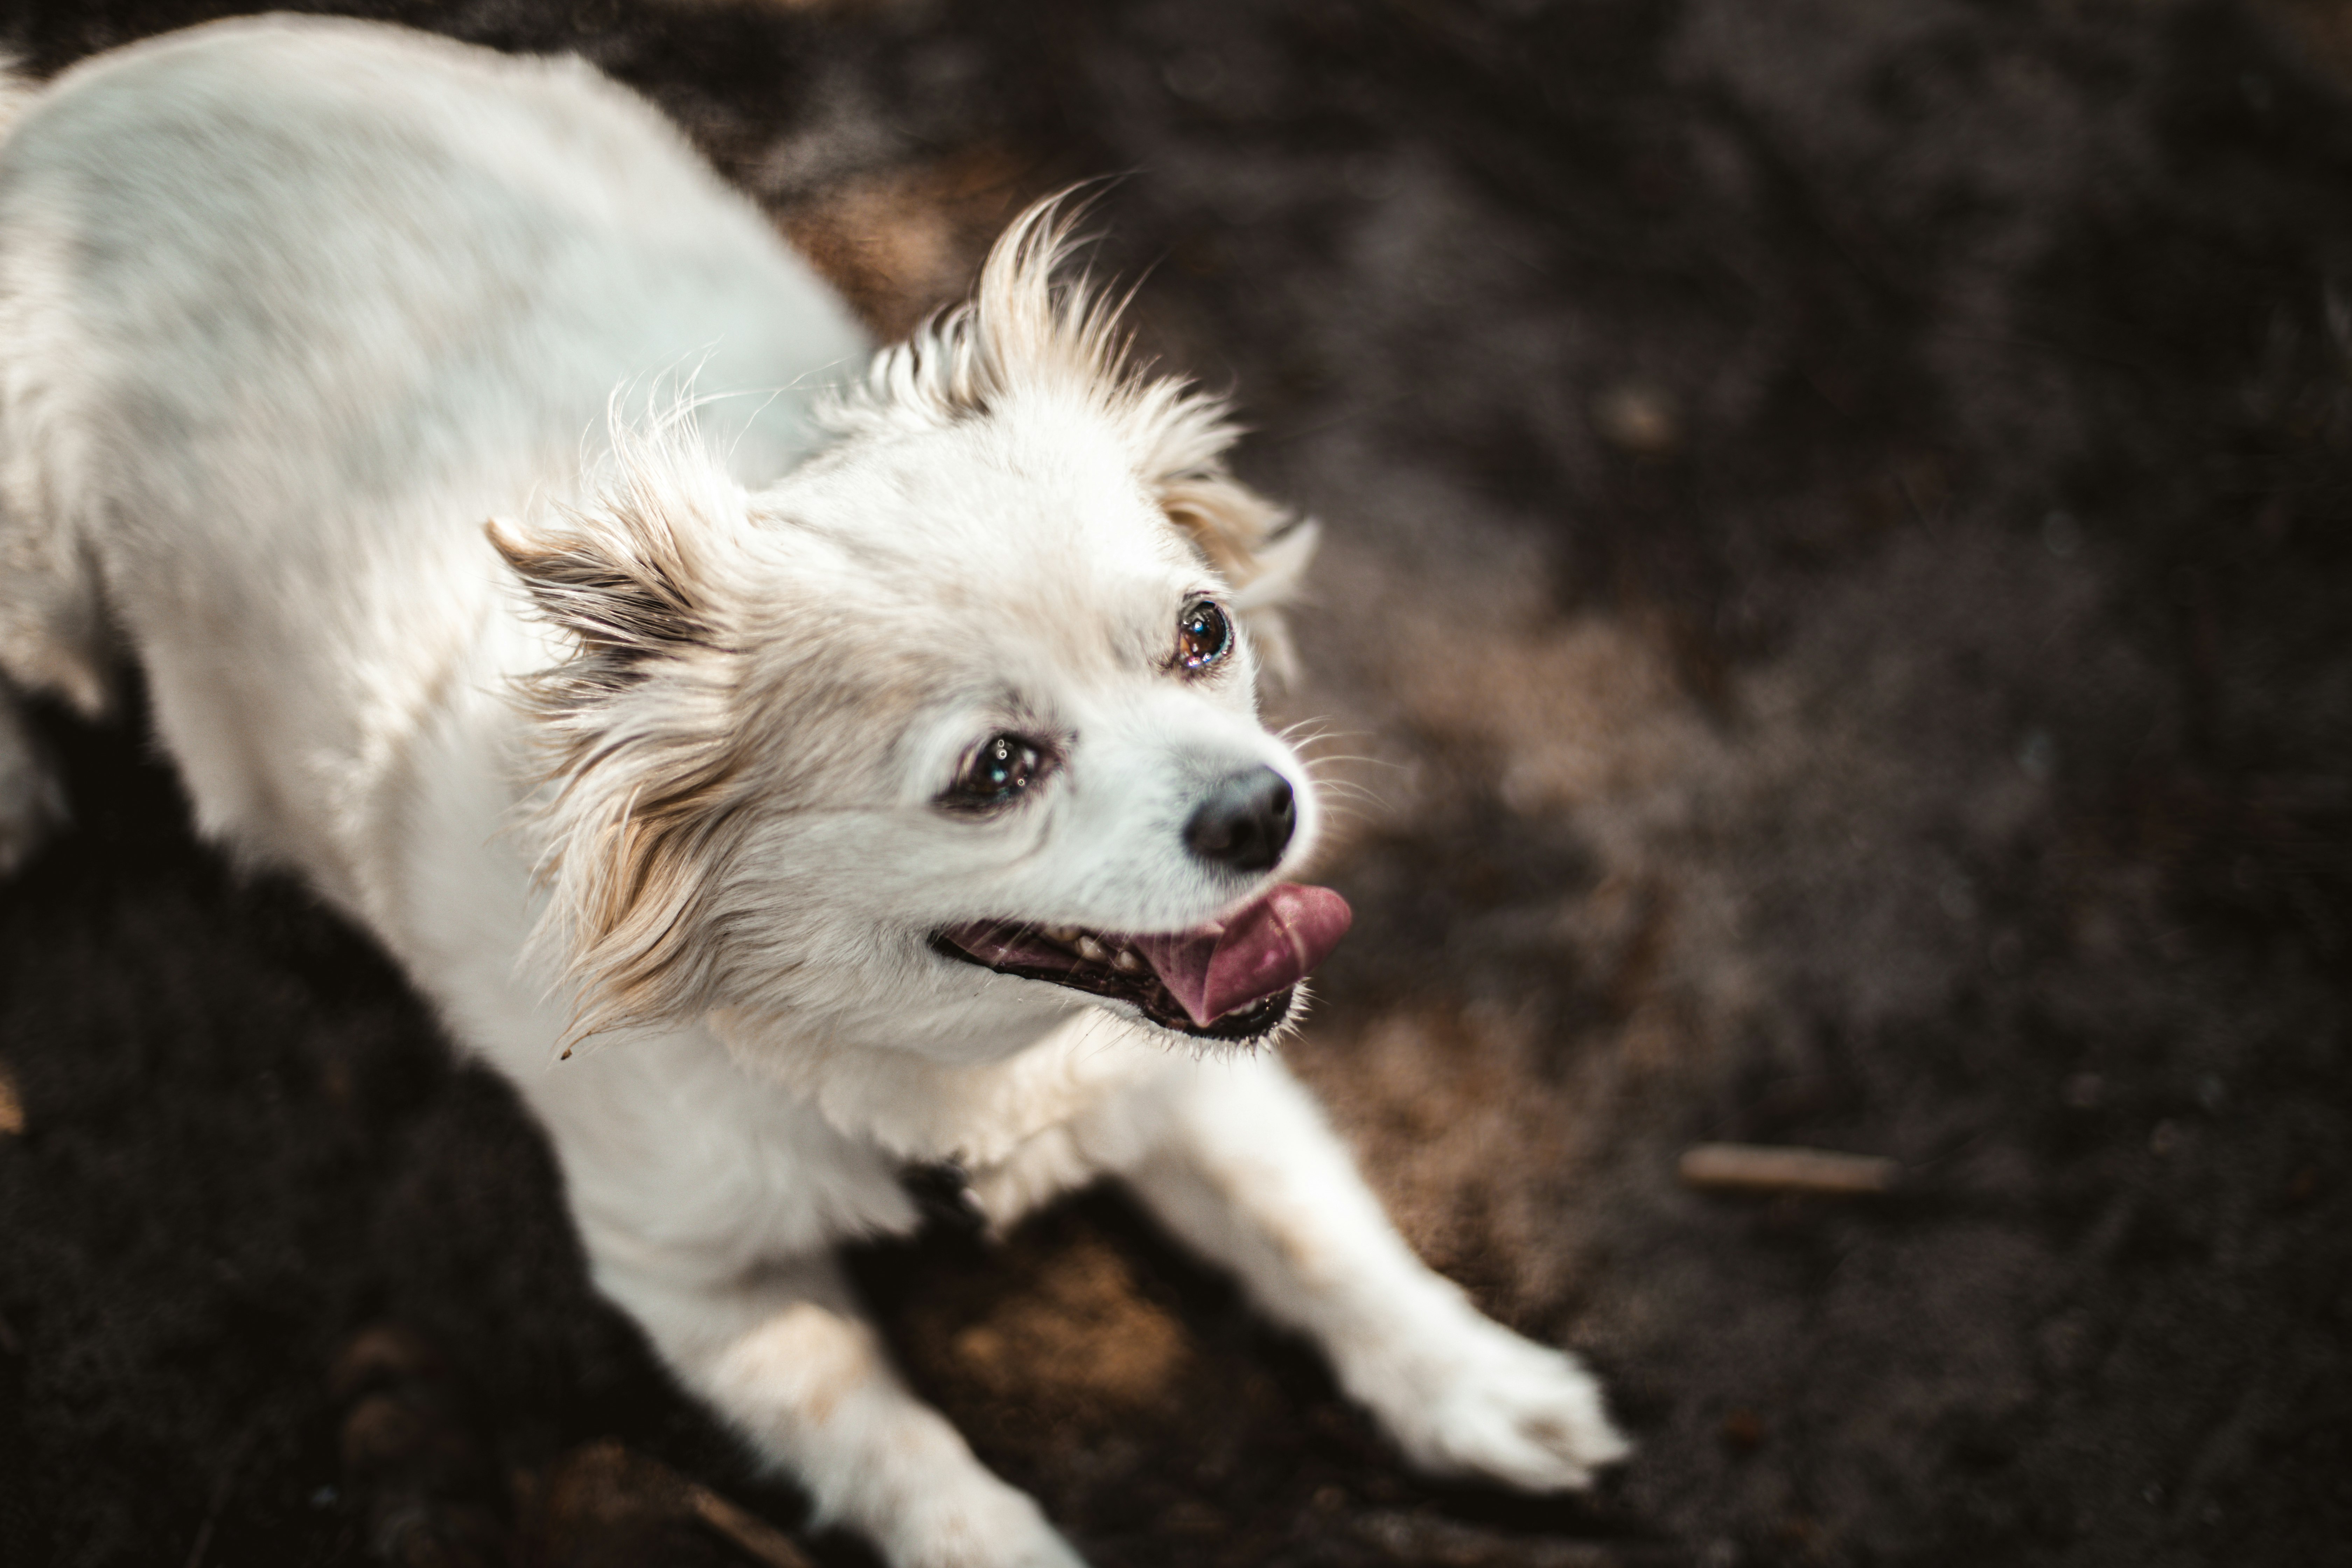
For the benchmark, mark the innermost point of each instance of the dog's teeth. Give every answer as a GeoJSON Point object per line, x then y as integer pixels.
{"type": "Point", "coordinates": [1126, 961]}
{"type": "Point", "coordinates": [1062, 934]}
{"type": "Point", "coordinates": [1092, 950]}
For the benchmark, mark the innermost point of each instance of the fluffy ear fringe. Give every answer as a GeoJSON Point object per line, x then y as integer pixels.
{"type": "Point", "coordinates": [639, 764]}
{"type": "Point", "coordinates": [1034, 327]}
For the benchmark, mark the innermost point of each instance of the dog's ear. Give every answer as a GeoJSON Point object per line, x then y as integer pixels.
{"type": "Point", "coordinates": [642, 760]}
{"type": "Point", "coordinates": [627, 593]}
{"type": "Point", "coordinates": [1260, 548]}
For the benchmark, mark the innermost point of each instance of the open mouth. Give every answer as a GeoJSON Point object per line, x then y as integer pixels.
{"type": "Point", "coordinates": [1231, 979]}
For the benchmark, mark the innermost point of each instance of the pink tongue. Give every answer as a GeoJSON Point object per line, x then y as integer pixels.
{"type": "Point", "coordinates": [1250, 955]}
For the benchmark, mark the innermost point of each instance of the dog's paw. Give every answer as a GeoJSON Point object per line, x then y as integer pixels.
{"type": "Point", "coordinates": [32, 801]}
{"type": "Point", "coordinates": [1480, 1403]}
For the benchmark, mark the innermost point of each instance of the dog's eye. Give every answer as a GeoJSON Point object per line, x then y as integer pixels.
{"type": "Point", "coordinates": [996, 773]}
{"type": "Point", "coordinates": [1203, 635]}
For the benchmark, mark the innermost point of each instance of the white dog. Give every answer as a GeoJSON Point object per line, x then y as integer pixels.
{"type": "Point", "coordinates": [863, 772]}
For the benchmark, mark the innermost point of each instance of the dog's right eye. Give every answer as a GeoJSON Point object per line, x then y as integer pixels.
{"type": "Point", "coordinates": [995, 774]}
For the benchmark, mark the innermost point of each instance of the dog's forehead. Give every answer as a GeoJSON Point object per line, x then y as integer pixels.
{"type": "Point", "coordinates": [1036, 510]}
{"type": "Point", "coordinates": [1044, 474]}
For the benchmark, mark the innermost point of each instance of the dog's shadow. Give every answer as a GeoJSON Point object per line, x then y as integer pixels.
{"type": "Point", "coordinates": [1093, 1361]}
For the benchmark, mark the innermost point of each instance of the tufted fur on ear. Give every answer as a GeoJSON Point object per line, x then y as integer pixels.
{"type": "Point", "coordinates": [1261, 548]}
{"type": "Point", "coordinates": [1035, 328]}
{"type": "Point", "coordinates": [644, 771]}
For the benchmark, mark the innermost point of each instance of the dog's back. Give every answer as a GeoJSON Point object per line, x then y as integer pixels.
{"type": "Point", "coordinates": [288, 308]}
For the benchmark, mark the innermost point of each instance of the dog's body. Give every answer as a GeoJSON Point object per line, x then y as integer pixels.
{"type": "Point", "coordinates": [823, 714]}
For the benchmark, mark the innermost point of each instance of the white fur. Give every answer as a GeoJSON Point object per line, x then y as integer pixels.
{"type": "Point", "coordinates": [290, 309]}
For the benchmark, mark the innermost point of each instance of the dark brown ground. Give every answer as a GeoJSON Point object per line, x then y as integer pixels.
{"type": "Point", "coordinates": [1840, 548]}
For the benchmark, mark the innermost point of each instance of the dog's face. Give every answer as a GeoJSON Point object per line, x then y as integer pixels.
{"type": "Point", "coordinates": [953, 731]}
{"type": "Point", "coordinates": [1038, 721]}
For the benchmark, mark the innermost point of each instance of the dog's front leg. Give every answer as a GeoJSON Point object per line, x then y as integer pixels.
{"type": "Point", "coordinates": [785, 1355]}
{"type": "Point", "coordinates": [1247, 1170]}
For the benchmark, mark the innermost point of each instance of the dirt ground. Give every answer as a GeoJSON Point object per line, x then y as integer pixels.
{"type": "Point", "coordinates": [1832, 632]}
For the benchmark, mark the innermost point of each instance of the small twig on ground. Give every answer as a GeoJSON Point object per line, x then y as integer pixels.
{"type": "Point", "coordinates": [1754, 1168]}
{"type": "Point", "coordinates": [755, 1535]}
{"type": "Point", "coordinates": [221, 1490]}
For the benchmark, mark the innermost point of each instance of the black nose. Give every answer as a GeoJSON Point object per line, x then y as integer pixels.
{"type": "Point", "coordinates": [1246, 821]}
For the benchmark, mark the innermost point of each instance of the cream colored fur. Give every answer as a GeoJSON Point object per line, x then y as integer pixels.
{"type": "Point", "coordinates": [651, 764]}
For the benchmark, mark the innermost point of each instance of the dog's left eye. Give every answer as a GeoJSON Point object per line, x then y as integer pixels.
{"type": "Point", "coordinates": [1203, 635]}
{"type": "Point", "coordinates": [996, 773]}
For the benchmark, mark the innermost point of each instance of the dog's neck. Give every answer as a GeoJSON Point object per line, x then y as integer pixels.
{"type": "Point", "coordinates": [918, 1108]}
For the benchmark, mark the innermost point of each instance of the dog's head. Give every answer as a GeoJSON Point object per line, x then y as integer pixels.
{"type": "Point", "coordinates": [954, 728]}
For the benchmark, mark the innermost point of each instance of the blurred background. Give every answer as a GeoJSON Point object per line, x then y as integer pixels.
{"type": "Point", "coordinates": [1832, 632]}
